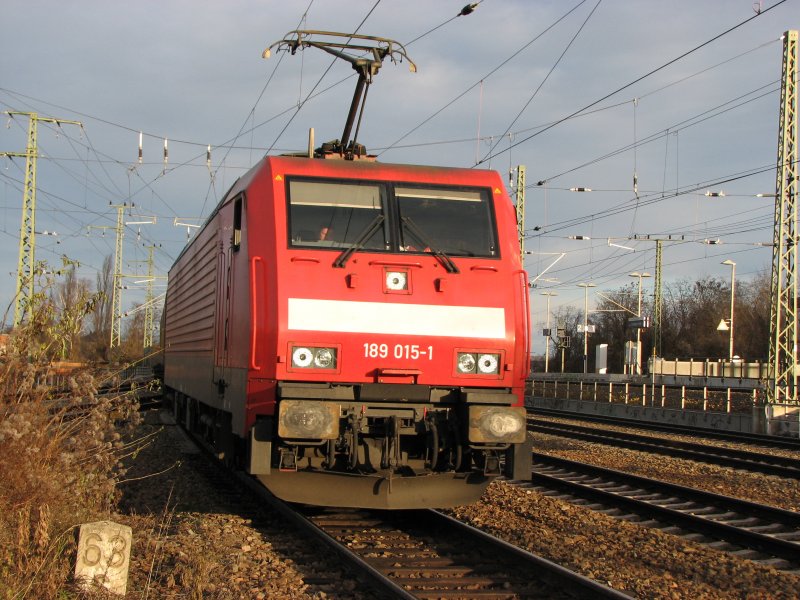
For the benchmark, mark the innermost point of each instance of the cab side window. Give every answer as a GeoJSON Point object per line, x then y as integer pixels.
{"type": "Point", "coordinates": [237, 223]}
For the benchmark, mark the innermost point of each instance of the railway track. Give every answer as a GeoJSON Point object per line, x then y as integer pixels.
{"type": "Point", "coordinates": [755, 439]}
{"type": "Point", "coordinates": [425, 554]}
{"type": "Point", "coordinates": [422, 554]}
{"type": "Point", "coordinates": [757, 462]}
{"type": "Point", "coordinates": [749, 530]}
{"type": "Point", "coordinates": [147, 392]}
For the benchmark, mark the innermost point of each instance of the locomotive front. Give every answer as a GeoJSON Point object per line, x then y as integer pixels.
{"type": "Point", "coordinates": [396, 335]}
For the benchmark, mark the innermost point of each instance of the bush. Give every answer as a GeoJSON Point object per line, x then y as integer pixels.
{"type": "Point", "coordinates": [61, 443]}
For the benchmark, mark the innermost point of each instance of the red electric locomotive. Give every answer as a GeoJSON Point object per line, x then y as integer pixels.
{"type": "Point", "coordinates": [355, 333]}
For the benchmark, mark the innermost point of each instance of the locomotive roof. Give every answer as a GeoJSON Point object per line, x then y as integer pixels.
{"type": "Point", "coordinates": [377, 170]}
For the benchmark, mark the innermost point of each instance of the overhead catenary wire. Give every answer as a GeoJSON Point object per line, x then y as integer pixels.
{"type": "Point", "coordinates": [228, 143]}
{"type": "Point", "coordinates": [638, 79]}
{"type": "Point", "coordinates": [148, 185]}
{"type": "Point", "coordinates": [250, 115]}
{"type": "Point", "coordinates": [626, 205]}
{"type": "Point", "coordinates": [546, 77]}
{"type": "Point", "coordinates": [482, 78]}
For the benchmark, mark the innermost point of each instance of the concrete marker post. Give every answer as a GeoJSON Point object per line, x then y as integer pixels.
{"type": "Point", "coordinates": [104, 550]}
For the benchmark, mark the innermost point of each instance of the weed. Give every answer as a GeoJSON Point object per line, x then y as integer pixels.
{"type": "Point", "coordinates": [61, 447]}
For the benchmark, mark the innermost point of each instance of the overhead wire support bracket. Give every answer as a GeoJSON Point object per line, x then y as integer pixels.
{"type": "Point", "coordinates": [366, 66]}
{"type": "Point", "coordinates": [550, 266]}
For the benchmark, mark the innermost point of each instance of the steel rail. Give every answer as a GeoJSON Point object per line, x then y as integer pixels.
{"type": "Point", "coordinates": [758, 439]}
{"type": "Point", "coordinates": [738, 459]}
{"type": "Point", "coordinates": [710, 514]}
{"type": "Point", "coordinates": [592, 588]}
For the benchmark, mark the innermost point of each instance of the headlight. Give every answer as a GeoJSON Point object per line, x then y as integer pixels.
{"type": "Point", "coordinates": [479, 363]}
{"type": "Point", "coordinates": [396, 280]}
{"type": "Point", "coordinates": [466, 362]}
{"type": "Point", "coordinates": [301, 357]}
{"type": "Point", "coordinates": [304, 357]}
{"type": "Point", "coordinates": [499, 424]}
{"type": "Point", "coordinates": [308, 419]}
{"type": "Point", "coordinates": [488, 363]}
{"type": "Point", "coordinates": [324, 359]}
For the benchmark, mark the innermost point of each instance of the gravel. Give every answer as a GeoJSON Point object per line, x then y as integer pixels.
{"type": "Point", "coordinates": [756, 487]}
{"type": "Point", "coordinates": [643, 562]}
{"type": "Point", "coordinates": [196, 537]}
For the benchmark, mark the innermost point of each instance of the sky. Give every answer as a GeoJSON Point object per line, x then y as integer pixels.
{"type": "Point", "coordinates": [584, 94]}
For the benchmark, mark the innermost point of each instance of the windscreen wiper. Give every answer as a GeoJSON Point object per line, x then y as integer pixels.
{"type": "Point", "coordinates": [358, 244]}
{"type": "Point", "coordinates": [448, 263]}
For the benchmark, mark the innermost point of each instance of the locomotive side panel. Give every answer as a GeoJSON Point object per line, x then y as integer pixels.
{"type": "Point", "coordinates": [230, 381]}
{"type": "Point", "coordinates": [190, 316]}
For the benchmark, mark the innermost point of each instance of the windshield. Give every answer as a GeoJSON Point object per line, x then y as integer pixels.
{"type": "Point", "coordinates": [452, 221]}
{"type": "Point", "coordinates": [335, 214]}
{"type": "Point", "coordinates": [400, 217]}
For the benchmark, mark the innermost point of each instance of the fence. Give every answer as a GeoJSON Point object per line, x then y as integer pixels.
{"type": "Point", "coordinates": [729, 399]}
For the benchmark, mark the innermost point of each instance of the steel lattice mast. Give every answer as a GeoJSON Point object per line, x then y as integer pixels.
{"type": "Point", "coordinates": [148, 300]}
{"type": "Point", "coordinates": [658, 302]}
{"type": "Point", "coordinates": [116, 296]}
{"type": "Point", "coordinates": [520, 202]}
{"type": "Point", "coordinates": [116, 292]}
{"type": "Point", "coordinates": [27, 235]}
{"type": "Point", "coordinates": [783, 322]}
{"type": "Point", "coordinates": [27, 232]}
{"type": "Point", "coordinates": [658, 285]}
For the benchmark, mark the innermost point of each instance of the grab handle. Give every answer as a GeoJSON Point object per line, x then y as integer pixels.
{"type": "Point", "coordinates": [394, 263]}
{"type": "Point", "coordinates": [254, 312]}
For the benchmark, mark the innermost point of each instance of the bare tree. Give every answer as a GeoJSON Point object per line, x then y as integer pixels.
{"type": "Point", "coordinates": [71, 297]}
{"type": "Point", "coordinates": [692, 309]}
{"type": "Point", "coordinates": [133, 336]}
{"type": "Point", "coordinates": [101, 317]}
{"type": "Point", "coordinates": [611, 322]}
{"type": "Point", "coordinates": [751, 319]}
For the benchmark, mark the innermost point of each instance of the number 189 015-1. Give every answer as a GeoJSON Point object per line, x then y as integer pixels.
{"type": "Point", "coordinates": [407, 351]}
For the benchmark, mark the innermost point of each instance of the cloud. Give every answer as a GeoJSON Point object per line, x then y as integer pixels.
{"type": "Point", "coordinates": [193, 73]}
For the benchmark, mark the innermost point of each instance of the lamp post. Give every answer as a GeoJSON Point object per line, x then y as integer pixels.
{"type": "Point", "coordinates": [733, 291]}
{"type": "Point", "coordinates": [547, 337]}
{"type": "Point", "coordinates": [638, 367]}
{"type": "Point", "coordinates": [586, 287]}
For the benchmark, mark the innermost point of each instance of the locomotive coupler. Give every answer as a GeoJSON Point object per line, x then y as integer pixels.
{"type": "Point", "coordinates": [491, 465]}
{"type": "Point", "coordinates": [288, 459]}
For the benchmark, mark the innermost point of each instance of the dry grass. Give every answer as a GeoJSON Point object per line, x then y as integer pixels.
{"type": "Point", "coordinates": [61, 452]}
